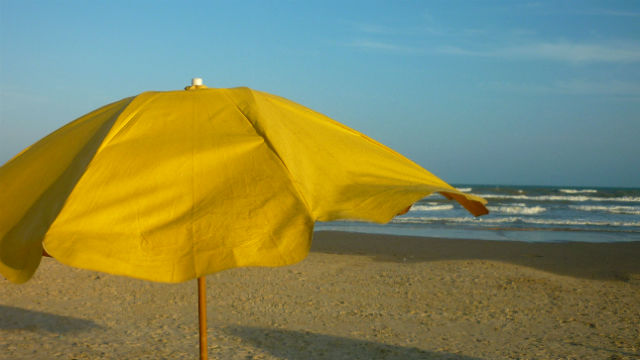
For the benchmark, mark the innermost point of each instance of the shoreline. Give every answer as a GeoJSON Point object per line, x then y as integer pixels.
{"type": "Point", "coordinates": [356, 296]}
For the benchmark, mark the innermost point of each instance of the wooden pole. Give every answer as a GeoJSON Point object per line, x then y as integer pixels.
{"type": "Point", "coordinates": [202, 316]}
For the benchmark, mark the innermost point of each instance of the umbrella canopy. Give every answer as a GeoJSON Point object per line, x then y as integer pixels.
{"type": "Point", "coordinates": [170, 186]}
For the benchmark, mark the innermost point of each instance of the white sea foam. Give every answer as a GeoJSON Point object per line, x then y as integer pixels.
{"type": "Point", "coordinates": [431, 207]}
{"type": "Point", "coordinates": [428, 220]}
{"type": "Point", "coordinates": [625, 210]}
{"type": "Point", "coordinates": [577, 198]}
{"type": "Point", "coordinates": [578, 191]}
{"type": "Point", "coordinates": [517, 209]}
{"type": "Point", "coordinates": [465, 189]}
{"type": "Point", "coordinates": [583, 222]}
{"type": "Point", "coordinates": [515, 219]}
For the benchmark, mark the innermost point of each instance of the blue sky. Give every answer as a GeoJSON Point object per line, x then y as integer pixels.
{"type": "Point", "coordinates": [540, 93]}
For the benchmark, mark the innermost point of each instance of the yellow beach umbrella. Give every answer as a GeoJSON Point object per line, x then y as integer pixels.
{"type": "Point", "coordinates": [171, 186]}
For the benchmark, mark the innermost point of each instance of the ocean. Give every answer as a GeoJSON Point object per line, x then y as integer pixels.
{"type": "Point", "coordinates": [520, 213]}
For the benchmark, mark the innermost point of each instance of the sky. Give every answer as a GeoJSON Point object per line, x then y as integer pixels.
{"type": "Point", "coordinates": [477, 92]}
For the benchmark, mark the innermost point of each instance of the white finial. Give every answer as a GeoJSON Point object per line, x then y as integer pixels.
{"type": "Point", "coordinates": [196, 82]}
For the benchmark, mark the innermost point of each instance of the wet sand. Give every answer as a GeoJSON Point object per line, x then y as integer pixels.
{"type": "Point", "coordinates": [356, 296]}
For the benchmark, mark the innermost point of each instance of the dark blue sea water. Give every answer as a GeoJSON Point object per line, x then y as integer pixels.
{"type": "Point", "coordinates": [525, 213]}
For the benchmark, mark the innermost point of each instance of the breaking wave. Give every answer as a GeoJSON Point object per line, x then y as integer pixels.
{"type": "Point", "coordinates": [515, 220]}
{"type": "Point", "coordinates": [578, 191]}
{"type": "Point", "coordinates": [625, 210]}
{"type": "Point", "coordinates": [517, 209]}
{"type": "Point", "coordinates": [578, 198]}
{"type": "Point", "coordinates": [431, 207]}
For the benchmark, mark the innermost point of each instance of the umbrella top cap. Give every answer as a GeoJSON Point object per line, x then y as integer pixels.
{"type": "Point", "coordinates": [196, 83]}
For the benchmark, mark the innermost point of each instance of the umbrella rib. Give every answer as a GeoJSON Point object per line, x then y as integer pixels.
{"type": "Point", "coordinates": [440, 185]}
{"type": "Point", "coordinates": [273, 150]}
{"type": "Point", "coordinates": [124, 122]}
{"type": "Point", "coordinates": [58, 186]}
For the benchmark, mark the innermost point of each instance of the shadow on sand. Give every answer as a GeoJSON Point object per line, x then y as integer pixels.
{"type": "Point", "coordinates": [13, 318]}
{"type": "Point", "coordinates": [602, 261]}
{"type": "Point", "coordinates": [299, 345]}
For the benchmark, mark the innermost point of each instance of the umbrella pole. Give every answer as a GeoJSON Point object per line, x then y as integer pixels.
{"type": "Point", "coordinates": [202, 316]}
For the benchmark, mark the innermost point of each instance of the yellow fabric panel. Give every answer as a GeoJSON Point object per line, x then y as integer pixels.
{"type": "Point", "coordinates": [34, 184]}
{"type": "Point", "coordinates": [342, 173]}
{"type": "Point", "coordinates": [169, 186]}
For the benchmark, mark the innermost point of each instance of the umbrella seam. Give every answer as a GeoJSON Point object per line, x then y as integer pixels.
{"type": "Point", "coordinates": [193, 186]}
{"type": "Point", "coordinates": [107, 138]}
{"type": "Point", "coordinates": [75, 184]}
{"type": "Point", "coordinates": [351, 130]}
{"type": "Point", "coordinates": [284, 165]}
{"type": "Point", "coordinates": [443, 185]}
{"type": "Point", "coordinates": [59, 211]}
{"type": "Point", "coordinates": [125, 121]}
{"type": "Point", "coordinates": [273, 149]}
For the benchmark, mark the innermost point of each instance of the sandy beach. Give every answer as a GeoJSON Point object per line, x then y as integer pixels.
{"type": "Point", "coordinates": [356, 296]}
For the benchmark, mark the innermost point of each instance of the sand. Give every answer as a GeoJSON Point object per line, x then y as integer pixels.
{"type": "Point", "coordinates": [356, 296]}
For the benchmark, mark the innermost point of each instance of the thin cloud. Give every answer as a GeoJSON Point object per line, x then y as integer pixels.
{"type": "Point", "coordinates": [586, 87]}
{"type": "Point", "coordinates": [373, 29]}
{"type": "Point", "coordinates": [383, 46]}
{"type": "Point", "coordinates": [577, 52]}
{"type": "Point", "coordinates": [571, 87]}
{"type": "Point", "coordinates": [565, 52]}
{"type": "Point", "coordinates": [610, 12]}
{"type": "Point", "coordinates": [454, 50]}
